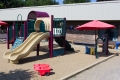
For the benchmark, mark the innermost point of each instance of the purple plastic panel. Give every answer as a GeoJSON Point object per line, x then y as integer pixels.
{"type": "Point", "coordinates": [8, 38]}
{"type": "Point", "coordinates": [13, 27]}
{"type": "Point", "coordinates": [25, 30]}
{"type": "Point", "coordinates": [64, 43]}
{"type": "Point", "coordinates": [51, 37]}
{"type": "Point", "coordinates": [35, 14]}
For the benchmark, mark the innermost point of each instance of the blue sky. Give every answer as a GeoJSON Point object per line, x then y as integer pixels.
{"type": "Point", "coordinates": [60, 1]}
{"type": "Point", "coordinates": [93, 0]}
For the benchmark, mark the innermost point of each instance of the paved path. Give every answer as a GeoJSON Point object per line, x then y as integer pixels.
{"type": "Point", "coordinates": [108, 70]}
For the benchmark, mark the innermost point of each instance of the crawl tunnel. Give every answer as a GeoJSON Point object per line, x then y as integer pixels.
{"type": "Point", "coordinates": [42, 24]}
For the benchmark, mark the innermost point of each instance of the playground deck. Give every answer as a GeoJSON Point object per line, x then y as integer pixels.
{"type": "Point", "coordinates": [61, 65]}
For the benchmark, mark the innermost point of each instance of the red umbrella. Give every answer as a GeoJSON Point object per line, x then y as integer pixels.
{"type": "Point", "coordinates": [95, 25]}
{"type": "Point", "coordinates": [3, 23]}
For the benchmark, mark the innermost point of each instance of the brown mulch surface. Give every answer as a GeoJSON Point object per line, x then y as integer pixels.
{"type": "Point", "coordinates": [61, 65]}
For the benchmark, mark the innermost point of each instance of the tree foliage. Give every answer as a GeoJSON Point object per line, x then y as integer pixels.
{"type": "Point", "coordinates": [21, 3]}
{"type": "Point", "coordinates": [74, 1]}
{"type": "Point", "coordinates": [40, 2]}
{"type": "Point", "coordinates": [11, 3]}
{"type": "Point", "coordinates": [1, 5]}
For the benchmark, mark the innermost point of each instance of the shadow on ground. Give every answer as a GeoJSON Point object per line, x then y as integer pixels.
{"type": "Point", "coordinates": [71, 52]}
{"type": "Point", "coordinates": [45, 48]}
{"type": "Point", "coordinates": [17, 74]}
{"type": "Point", "coordinates": [33, 58]}
{"type": "Point", "coordinates": [103, 54]}
{"type": "Point", "coordinates": [43, 56]}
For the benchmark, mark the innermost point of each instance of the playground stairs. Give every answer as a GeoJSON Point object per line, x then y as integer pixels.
{"type": "Point", "coordinates": [17, 42]}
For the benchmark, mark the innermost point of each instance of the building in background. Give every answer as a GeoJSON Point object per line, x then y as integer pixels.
{"type": "Point", "coordinates": [76, 14]}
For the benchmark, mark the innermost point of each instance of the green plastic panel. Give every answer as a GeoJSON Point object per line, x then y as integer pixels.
{"type": "Point", "coordinates": [31, 26]}
{"type": "Point", "coordinates": [59, 28]}
{"type": "Point", "coordinates": [16, 29]}
{"type": "Point", "coordinates": [10, 32]}
{"type": "Point", "coordinates": [42, 27]}
{"type": "Point", "coordinates": [22, 32]}
{"type": "Point", "coordinates": [58, 52]}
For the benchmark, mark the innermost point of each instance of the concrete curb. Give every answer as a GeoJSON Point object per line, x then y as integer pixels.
{"type": "Point", "coordinates": [87, 67]}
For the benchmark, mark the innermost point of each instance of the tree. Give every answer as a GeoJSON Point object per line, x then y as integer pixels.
{"type": "Point", "coordinates": [74, 1]}
{"type": "Point", "coordinates": [30, 2]}
{"type": "Point", "coordinates": [21, 3]}
{"type": "Point", "coordinates": [11, 3]}
{"type": "Point", "coordinates": [40, 2]}
{"type": "Point", "coordinates": [1, 5]}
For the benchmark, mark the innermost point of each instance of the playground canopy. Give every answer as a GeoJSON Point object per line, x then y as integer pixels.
{"type": "Point", "coordinates": [3, 23]}
{"type": "Point", "coordinates": [95, 25]}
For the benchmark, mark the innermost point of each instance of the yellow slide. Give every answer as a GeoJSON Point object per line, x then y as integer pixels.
{"type": "Point", "coordinates": [26, 47]}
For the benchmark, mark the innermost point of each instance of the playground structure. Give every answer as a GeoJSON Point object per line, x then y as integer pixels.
{"type": "Point", "coordinates": [38, 26]}
{"type": "Point", "coordinates": [14, 30]}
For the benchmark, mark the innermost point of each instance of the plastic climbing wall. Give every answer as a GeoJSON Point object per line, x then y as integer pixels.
{"type": "Point", "coordinates": [17, 42]}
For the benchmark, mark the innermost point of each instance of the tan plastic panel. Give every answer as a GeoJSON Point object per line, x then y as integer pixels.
{"type": "Point", "coordinates": [47, 22]}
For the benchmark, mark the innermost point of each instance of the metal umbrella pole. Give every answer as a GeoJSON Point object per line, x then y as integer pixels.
{"type": "Point", "coordinates": [96, 54]}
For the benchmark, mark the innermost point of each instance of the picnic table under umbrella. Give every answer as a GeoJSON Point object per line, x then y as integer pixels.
{"type": "Point", "coordinates": [95, 25]}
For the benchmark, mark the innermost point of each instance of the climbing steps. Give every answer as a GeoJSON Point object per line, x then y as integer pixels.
{"type": "Point", "coordinates": [17, 42]}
